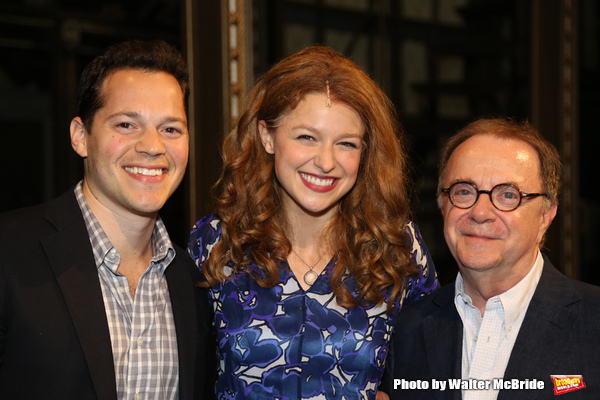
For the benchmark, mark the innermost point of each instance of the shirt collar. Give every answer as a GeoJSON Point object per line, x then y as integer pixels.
{"type": "Point", "coordinates": [516, 299]}
{"type": "Point", "coordinates": [459, 291]}
{"type": "Point", "coordinates": [162, 247]}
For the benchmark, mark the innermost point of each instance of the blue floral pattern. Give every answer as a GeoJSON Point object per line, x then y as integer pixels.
{"type": "Point", "coordinates": [287, 343]}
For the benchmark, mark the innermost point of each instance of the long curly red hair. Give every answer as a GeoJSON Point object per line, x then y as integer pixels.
{"type": "Point", "coordinates": [367, 231]}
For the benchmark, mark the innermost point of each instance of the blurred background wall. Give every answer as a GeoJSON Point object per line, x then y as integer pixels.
{"type": "Point", "coordinates": [442, 62]}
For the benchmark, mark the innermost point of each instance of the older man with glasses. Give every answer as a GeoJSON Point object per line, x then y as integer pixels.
{"type": "Point", "coordinates": [511, 326]}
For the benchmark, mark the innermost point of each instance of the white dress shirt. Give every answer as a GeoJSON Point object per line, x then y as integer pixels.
{"type": "Point", "coordinates": [488, 340]}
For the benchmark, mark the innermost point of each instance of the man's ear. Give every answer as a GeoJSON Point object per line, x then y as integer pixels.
{"type": "Point", "coordinates": [266, 137]}
{"type": "Point", "coordinates": [78, 137]}
{"type": "Point", "coordinates": [547, 218]}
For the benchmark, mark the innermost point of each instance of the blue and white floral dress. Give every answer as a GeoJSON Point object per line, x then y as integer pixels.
{"type": "Point", "coordinates": [286, 343]}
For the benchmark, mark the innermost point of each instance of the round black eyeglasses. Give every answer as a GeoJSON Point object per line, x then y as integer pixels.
{"type": "Point", "coordinates": [505, 196]}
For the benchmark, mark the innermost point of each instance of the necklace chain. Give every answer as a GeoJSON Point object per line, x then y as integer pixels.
{"type": "Point", "coordinates": [301, 259]}
{"type": "Point", "coordinates": [310, 276]}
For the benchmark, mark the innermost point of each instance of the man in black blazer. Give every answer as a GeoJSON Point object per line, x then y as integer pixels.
{"type": "Point", "coordinates": [511, 326]}
{"type": "Point", "coordinates": [95, 300]}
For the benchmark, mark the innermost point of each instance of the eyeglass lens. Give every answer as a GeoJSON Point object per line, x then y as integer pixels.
{"type": "Point", "coordinates": [504, 197]}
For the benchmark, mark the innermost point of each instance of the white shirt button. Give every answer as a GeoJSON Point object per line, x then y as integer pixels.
{"type": "Point", "coordinates": [112, 254]}
{"type": "Point", "coordinates": [140, 341]}
{"type": "Point", "coordinates": [138, 396]}
{"type": "Point", "coordinates": [121, 289]}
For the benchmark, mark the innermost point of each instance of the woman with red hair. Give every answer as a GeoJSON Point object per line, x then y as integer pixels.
{"type": "Point", "coordinates": [311, 252]}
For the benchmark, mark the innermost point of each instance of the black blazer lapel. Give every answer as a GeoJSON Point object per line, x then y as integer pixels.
{"type": "Point", "coordinates": [442, 331]}
{"type": "Point", "coordinates": [544, 334]}
{"type": "Point", "coordinates": [70, 257]}
{"type": "Point", "coordinates": [184, 305]}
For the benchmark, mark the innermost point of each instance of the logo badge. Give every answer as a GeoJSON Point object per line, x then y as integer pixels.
{"type": "Point", "coordinates": [567, 383]}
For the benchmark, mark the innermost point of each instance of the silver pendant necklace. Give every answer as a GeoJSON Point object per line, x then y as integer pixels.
{"type": "Point", "coordinates": [310, 276]}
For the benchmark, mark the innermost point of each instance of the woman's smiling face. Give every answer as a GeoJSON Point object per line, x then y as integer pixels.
{"type": "Point", "coordinates": [317, 150]}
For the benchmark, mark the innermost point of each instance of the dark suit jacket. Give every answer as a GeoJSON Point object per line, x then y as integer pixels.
{"type": "Point", "coordinates": [560, 335]}
{"type": "Point", "coordinates": [54, 337]}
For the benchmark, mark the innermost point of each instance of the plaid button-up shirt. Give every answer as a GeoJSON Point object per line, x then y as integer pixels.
{"type": "Point", "coordinates": [142, 330]}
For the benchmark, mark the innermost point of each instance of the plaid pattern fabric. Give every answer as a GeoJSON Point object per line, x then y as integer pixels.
{"type": "Point", "coordinates": [142, 329]}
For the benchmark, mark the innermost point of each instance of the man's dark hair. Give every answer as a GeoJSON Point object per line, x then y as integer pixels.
{"type": "Point", "coordinates": [148, 56]}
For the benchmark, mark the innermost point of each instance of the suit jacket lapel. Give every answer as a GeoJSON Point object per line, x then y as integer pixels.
{"type": "Point", "coordinates": [442, 330]}
{"type": "Point", "coordinates": [546, 323]}
{"type": "Point", "coordinates": [70, 257]}
{"type": "Point", "coordinates": [183, 303]}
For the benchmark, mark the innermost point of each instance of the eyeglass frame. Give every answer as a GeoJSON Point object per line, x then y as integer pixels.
{"type": "Point", "coordinates": [522, 195]}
